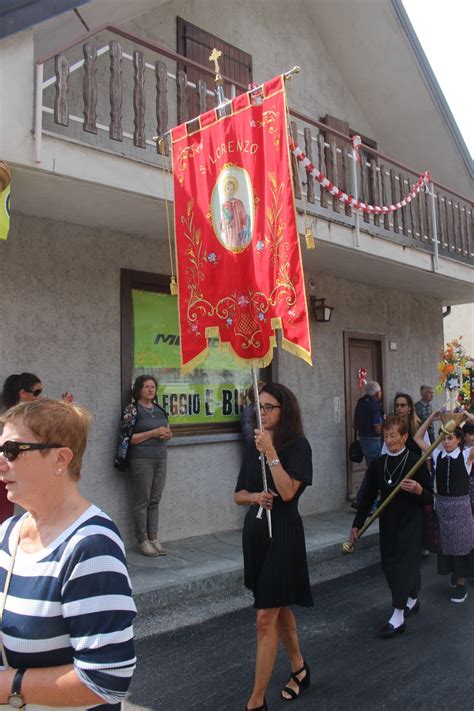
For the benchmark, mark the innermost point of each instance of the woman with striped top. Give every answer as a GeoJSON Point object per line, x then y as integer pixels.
{"type": "Point", "coordinates": [66, 623]}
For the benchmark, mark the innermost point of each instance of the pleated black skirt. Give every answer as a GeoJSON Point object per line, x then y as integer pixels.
{"type": "Point", "coordinates": [276, 569]}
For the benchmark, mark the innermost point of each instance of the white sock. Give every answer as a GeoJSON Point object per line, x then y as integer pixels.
{"type": "Point", "coordinates": [398, 618]}
{"type": "Point", "coordinates": [411, 602]}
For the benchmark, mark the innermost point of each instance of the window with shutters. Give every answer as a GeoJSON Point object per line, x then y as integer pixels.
{"type": "Point", "coordinates": [337, 171]}
{"type": "Point", "coordinates": [197, 44]}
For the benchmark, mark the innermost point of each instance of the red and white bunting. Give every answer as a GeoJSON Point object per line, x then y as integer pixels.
{"type": "Point", "coordinates": [352, 201]}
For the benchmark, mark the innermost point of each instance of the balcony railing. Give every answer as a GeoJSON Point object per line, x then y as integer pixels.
{"type": "Point", "coordinates": [119, 105]}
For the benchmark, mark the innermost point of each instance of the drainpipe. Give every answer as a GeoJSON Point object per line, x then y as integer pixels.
{"type": "Point", "coordinates": [38, 112]}
{"type": "Point", "coordinates": [447, 312]}
{"type": "Point", "coordinates": [355, 193]}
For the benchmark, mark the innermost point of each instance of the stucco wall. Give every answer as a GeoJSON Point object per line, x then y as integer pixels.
{"type": "Point", "coordinates": [60, 315]}
{"type": "Point", "coordinates": [460, 322]}
{"type": "Point", "coordinates": [412, 322]}
{"type": "Point", "coordinates": [278, 35]}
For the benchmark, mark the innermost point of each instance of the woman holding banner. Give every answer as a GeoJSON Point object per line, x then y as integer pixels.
{"type": "Point", "coordinates": [276, 568]}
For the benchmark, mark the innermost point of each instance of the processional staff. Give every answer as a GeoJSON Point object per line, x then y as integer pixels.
{"type": "Point", "coordinates": [221, 102]}
{"type": "Point", "coordinates": [447, 429]}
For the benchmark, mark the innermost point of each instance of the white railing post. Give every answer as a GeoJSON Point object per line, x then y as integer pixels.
{"type": "Point", "coordinates": [355, 193]}
{"type": "Point", "coordinates": [38, 112]}
{"type": "Point", "coordinates": [435, 227]}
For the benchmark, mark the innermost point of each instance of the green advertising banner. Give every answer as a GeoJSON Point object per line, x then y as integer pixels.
{"type": "Point", "coordinates": [213, 393]}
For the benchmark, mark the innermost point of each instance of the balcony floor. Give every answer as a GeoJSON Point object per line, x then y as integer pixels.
{"type": "Point", "coordinates": [375, 260]}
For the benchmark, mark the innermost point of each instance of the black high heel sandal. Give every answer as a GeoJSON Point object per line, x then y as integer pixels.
{"type": "Point", "coordinates": [301, 683]}
{"type": "Point", "coordinates": [258, 708]}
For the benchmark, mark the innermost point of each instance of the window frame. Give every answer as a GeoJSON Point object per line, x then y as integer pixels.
{"type": "Point", "coordinates": [147, 281]}
{"type": "Point", "coordinates": [231, 56]}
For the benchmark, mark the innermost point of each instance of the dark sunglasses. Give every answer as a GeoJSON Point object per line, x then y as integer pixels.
{"type": "Point", "coordinates": [268, 407]}
{"type": "Point", "coordinates": [35, 393]}
{"type": "Point", "coordinates": [11, 450]}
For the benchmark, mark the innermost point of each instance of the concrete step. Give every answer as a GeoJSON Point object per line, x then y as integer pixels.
{"type": "Point", "coordinates": [202, 576]}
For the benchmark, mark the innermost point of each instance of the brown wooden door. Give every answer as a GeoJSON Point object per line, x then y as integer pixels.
{"type": "Point", "coordinates": [360, 351]}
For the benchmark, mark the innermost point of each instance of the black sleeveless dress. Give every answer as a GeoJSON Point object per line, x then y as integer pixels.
{"type": "Point", "coordinates": [276, 569]}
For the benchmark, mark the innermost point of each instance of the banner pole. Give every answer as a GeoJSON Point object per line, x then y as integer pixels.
{"type": "Point", "coordinates": [447, 429]}
{"type": "Point", "coordinates": [262, 456]}
{"type": "Point", "coordinates": [221, 101]}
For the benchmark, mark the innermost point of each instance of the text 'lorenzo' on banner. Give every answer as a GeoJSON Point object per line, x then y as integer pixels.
{"type": "Point", "coordinates": [240, 273]}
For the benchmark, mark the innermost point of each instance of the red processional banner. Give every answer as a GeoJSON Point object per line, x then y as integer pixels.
{"type": "Point", "coordinates": [240, 274]}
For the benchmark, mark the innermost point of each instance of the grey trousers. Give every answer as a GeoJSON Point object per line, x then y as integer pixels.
{"type": "Point", "coordinates": [148, 481]}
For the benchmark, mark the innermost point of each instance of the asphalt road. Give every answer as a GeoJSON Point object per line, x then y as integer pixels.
{"type": "Point", "coordinates": [209, 667]}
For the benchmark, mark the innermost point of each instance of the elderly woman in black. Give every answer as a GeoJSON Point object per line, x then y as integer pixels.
{"type": "Point", "coordinates": [401, 523]}
{"type": "Point", "coordinates": [147, 458]}
{"type": "Point", "coordinates": [276, 569]}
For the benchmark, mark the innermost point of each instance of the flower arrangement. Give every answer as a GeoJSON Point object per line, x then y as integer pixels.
{"type": "Point", "coordinates": [453, 369]}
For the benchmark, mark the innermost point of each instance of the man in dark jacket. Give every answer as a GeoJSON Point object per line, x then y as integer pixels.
{"type": "Point", "coordinates": [368, 418]}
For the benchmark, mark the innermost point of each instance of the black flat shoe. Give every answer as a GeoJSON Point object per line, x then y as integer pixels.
{"type": "Point", "coordinates": [412, 611]}
{"type": "Point", "coordinates": [390, 631]}
{"type": "Point", "coordinates": [258, 708]}
{"type": "Point", "coordinates": [301, 683]}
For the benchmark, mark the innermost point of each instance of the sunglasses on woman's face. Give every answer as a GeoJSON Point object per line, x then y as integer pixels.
{"type": "Point", "coordinates": [35, 393]}
{"type": "Point", "coordinates": [11, 450]}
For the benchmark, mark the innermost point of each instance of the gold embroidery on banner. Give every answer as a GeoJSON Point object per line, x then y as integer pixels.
{"type": "Point", "coordinates": [244, 313]}
{"type": "Point", "coordinates": [271, 119]}
{"type": "Point", "coordinates": [186, 154]}
{"type": "Point", "coordinates": [279, 247]}
{"type": "Point", "coordinates": [194, 271]}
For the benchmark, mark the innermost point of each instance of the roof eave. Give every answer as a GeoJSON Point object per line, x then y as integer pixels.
{"type": "Point", "coordinates": [433, 85]}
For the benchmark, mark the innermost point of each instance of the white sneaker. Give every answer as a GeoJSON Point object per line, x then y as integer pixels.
{"type": "Point", "coordinates": [146, 548]}
{"type": "Point", "coordinates": [158, 547]}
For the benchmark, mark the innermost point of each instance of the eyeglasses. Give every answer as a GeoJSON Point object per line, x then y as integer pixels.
{"type": "Point", "coordinates": [35, 393]}
{"type": "Point", "coordinates": [267, 407]}
{"type": "Point", "coordinates": [11, 450]}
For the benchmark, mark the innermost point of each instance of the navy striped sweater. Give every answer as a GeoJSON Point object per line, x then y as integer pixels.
{"type": "Point", "coordinates": [71, 603]}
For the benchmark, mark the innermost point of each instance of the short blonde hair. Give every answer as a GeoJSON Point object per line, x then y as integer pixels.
{"type": "Point", "coordinates": [56, 422]}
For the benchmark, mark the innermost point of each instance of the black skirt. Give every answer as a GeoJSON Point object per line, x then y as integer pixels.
{"type": "Point", "coordinates": [276, 568]}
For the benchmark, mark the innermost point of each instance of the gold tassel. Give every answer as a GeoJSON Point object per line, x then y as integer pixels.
{"type": "Point", "coordinates": [173, 286]}
{"type": "Point", "coordinates": [310, 243]}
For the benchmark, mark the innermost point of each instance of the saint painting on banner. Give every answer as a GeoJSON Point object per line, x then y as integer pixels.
{"type": "Point", "coordinates": [237, 245]}
{"type": "Point", "coordinates": [232, 208]}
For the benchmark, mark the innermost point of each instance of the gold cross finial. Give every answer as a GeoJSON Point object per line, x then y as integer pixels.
{"type": "Point", "coordinates": [215, 54]}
